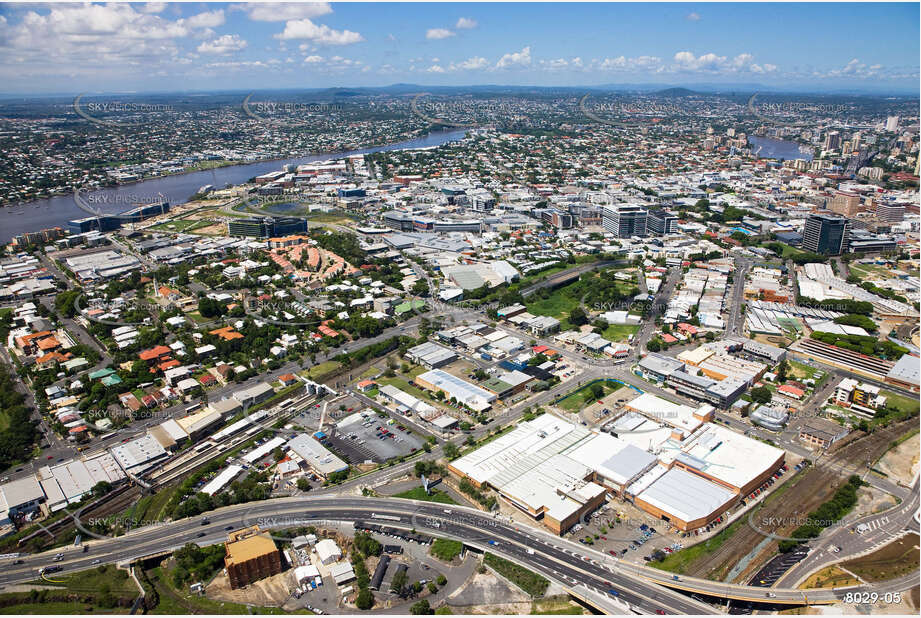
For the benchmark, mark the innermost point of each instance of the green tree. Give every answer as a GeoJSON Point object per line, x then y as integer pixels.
{"type": "Point", "coordinates": [364, 600]}
{"type": "Point", "coordinates": [761, 394]}
{"type": "Point", "coordinates": [420, 608]}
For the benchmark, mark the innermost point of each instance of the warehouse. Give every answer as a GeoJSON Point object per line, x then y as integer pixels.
{"type": "Point", "coordinates": [316, 456]}
{"type": "Point", "coordinates": [431, 355]}
{"type": "Point", "coordinates": [684, 499]}
{"type": "Point", "coordinates": [460, 390]}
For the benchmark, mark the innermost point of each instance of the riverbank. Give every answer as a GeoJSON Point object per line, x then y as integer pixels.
{"type": "Point", "coordinates": [177, 188]}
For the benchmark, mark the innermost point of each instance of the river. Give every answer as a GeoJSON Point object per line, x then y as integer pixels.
{"type": "Point", "coordinates": [771, 148]}
{"type": "Point", "coordinates": [58, 210]}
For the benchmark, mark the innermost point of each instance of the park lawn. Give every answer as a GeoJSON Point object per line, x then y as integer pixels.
{"type": "Point", "coordinates": [418, 493]}
{"type": "Point", "coordinates": [900, 402]}
{"type": "Point", "coordinates": [320, 371]}
{"type": "Point", "coordinates": [414, 372]}
{"type": "Point", "coordinates": [620, 332]}
{"type": "Point", "coordinates": [179, 225]}
{"type": "Point", "coordinates": [558, 305]}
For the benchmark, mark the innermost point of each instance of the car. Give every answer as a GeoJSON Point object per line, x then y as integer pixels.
{"type": "Point", "coordinates": [96, 561]}
{"type": "Point", "coordinates": [48, 457]}
{"type": "Point", "coordinates": [661, 612]}
{"type": "Point", "coordinates": [228, 527]}
{"type": "Point", "coordinates": [200, 535]}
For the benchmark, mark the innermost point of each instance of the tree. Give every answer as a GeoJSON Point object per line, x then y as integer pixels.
{"type": "Point", "coordinates": [364, 600]}
{"type": "Point", "coordinates": [782, 369]}
{"type": "Point", "coordinates": [399, 582]}
{"type": "Point", "coordinates": [450, 450]}
{"type": "Point", "coordinates": [577, 316]}
{"type": "Point", "coordinates": [654, 344]}
{"type": "Point", "coordinates": [762, 394]}
{"type": "Point", "coordinates": [303, 484]}
{"type": "Point", "coordinates": [421, 608]}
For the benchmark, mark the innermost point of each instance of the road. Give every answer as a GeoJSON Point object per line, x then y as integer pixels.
{"type": "Point", "coordinates": [884, 527]}
{"type": "Point", "coordinates": [557, 558]}
{"type": "Point", "coordinates": [734, 318]}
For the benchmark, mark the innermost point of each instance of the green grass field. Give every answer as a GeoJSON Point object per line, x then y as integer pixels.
{"type": "Point", "coordinates": [445, 549]}
{"type": "Point", "coordinates": [320, 371]}
{"type": "Point", "coordinates": [575, 401]}
{"type": "Point", "coordinates": [900, 402]}
{"type": "Point", "coordinates": [418, 493]}
{"type": "Point", "coordinates": [530, 582]}
{"type": "Point", "coordinates": [557, 306]}
{"type": "Point", "coordinates": [620, 332]}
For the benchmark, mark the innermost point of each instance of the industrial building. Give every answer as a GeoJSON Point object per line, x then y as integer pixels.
{"type": "Point", "coordinates": [470, 395]}
{"type": "Point", "coordinates": [315, 456]}
{"type": "Point", "coordinates": [431, 355]}
{"type": "Point", "coordinates": [665, 458]}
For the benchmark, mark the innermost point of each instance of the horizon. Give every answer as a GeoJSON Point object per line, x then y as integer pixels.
{"type": "Point", "coordinates": [60, 50]}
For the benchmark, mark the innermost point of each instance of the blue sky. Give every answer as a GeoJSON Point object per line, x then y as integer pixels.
{"type": "Point", "coordinates": [205, 46]}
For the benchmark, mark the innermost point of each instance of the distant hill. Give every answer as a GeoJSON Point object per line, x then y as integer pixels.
{"type": "Point", "coordinates": [676, 92]}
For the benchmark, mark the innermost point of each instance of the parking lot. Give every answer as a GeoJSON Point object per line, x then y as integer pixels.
{"type": "Point", "coordinates": [372, 438]}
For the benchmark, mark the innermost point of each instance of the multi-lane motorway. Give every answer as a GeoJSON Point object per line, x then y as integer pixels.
{"type": "Point", "coordinates": [558, 559]}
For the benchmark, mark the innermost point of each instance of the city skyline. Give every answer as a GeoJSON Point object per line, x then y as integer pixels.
{"type": "Point", "coordinates": [172, 47]}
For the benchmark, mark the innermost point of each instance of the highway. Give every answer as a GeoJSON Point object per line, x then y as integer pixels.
{"type": "Point", "coordinates": [556, 558]}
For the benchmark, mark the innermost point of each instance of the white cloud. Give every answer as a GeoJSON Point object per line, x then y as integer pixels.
{"type": "Point", "coordinates": [515, 59]}
{"type": "Point", "coordinates": [435, 69]}
{"type": "Point", "coordinates": [313, 59]}
{"type": "Point", "coordinates": [153, 7]}
{"type": "Point", "coordinates": [692, 17]}
{"type": "Point", "coordinates": [211, 19]}
{"type": "Point", "coordinates": [321, 34]}
{"type": "Point", "coordinates": [622, 63]}
{"type": "Point", "coordinates": [284, 11]}
{"type": "Point", "coordinates": [465, 23]}
{"type": "Point", "coordinates": [471, 64]}
{"type": "Point", "coordinates": [436, 34]}
{"type": "Point", "coordinates": [222, 45]}
{"type": "Point", "coordinates": [713, 63]}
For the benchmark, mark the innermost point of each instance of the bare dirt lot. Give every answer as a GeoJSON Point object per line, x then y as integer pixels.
{"type": "Point", "coordinates": [901, 463]}
{"type": "Point", "coordinates": [894, 560]}
{"type": "Point", "coordinates": [271, 591]}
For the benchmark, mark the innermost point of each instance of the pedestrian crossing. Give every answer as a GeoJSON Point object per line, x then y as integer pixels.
{"type": "Point", "coordinates": [876, 524]}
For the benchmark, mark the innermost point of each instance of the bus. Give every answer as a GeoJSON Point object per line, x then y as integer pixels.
{"type": "Point", "coordinates": [107, 436]}
{"type": "Point", "coordinates": [193, 408]}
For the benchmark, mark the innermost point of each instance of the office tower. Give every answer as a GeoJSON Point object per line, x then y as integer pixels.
{"type": "Point", "coordinates": [825, 234]}
{"type": "Point", "coordinates": [832, 140]}
{"type": "Point", "coordinates": [660, 222]}
{"type": "Point", "coordinates": [625, 220]}
{"type": "Point", "coordinates": [889, 212]}
{"type": "Point", "coordinates": [892, 123]}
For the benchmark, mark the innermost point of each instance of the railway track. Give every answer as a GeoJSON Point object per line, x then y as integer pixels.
{"type": "Point", "coordinates": [814, 486]}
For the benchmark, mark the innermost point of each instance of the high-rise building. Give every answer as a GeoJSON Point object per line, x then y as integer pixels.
{"type": "Point", "coordinates": [661, 222]}
{"type": "Point", "coordinates": [892, 123]}
{"type": "Point", "coordinates": [825, 234]}
{"type": "Point", "coordinates": [624, 220]}
{"type": "Point", "coordinates": [557, 218]}
{"type": "Point", "coordinates": [847, 204]}
{"type": "Point", "coordinates": [888, 212]}
{"type": "Point", "coordinates": [267, 227]}
{"type": "Point", "coordinates": [832, 140]}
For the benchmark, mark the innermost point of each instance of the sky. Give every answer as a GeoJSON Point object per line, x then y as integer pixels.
{"type": "Point", "coordinates": [94, 47]}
